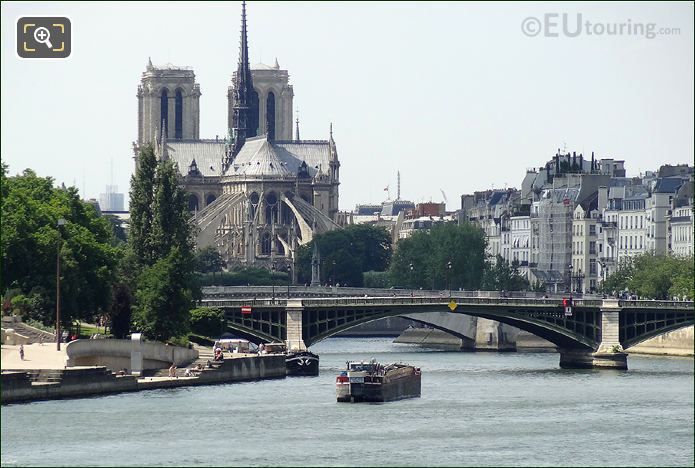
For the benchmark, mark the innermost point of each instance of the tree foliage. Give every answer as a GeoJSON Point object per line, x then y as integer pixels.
{"type": "Point", "coordinates": [208, 260]}
{"type": "Point", "coordinates": [429, 253]}
{"type": "Point", "coordinates": [244, 276]}
{"type": "Point", "coordinates": [31, 239]}
{"type": "Point", "coordinates": [653, 276]}
{"type": "Point", "coordinates": [208, 321]}
{"type": "Point", "coordinates": [120, 311]}
{"type": "Point", "coordinates": [504, 277]}
{"type": "Point", "coordinates": [346, 254]}
{"type": "Point", "coordinates": [164, 297]}
{"type": "Point", "coordinates": [161, 248]}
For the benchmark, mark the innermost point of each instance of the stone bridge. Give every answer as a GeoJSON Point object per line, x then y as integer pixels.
{"type": "Point", "coordinates": [593, 336]}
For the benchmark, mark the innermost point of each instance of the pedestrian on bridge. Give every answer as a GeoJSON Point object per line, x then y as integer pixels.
{"type": "Point", "coordinates": [21, 352]}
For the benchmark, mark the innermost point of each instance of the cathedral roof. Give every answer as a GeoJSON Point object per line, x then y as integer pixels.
{"type": "Point", "coordinates": [259, 156]}
{"type": "Point", "coordinates": [208, 155]}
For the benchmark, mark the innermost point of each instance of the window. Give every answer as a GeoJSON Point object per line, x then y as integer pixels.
{"type": "Point", "coordinates": [592, 247]}
{"type": "Point", "coordinates": [592, 230]}
{"type": "Point", "coordinates": [270, 115]}
{"type": "Point", "coordinates": [178, 115]}
{"type": "Point", "coordinates": [164, 111]}
{"type": "Point", "coordinates": [592, 266]}
{"type": "Point", "coordinates": [192, 203]}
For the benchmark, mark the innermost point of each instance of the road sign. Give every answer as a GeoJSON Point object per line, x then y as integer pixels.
{"type": "Point", "coordinates": [453, 305]}
{"type": "Point", "coordinates": [246, 310]}
{"type": "Point", "coordinates": [568, 311]}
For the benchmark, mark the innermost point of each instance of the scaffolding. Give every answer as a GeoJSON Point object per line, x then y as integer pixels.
{"type": "Point", "coordinates": [555, 238]}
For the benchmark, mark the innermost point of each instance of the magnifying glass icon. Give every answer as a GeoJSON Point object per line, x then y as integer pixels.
{"type": "Point", "coordinates": [43, 36]}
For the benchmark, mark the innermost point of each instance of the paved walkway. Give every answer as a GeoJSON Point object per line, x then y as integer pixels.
{"type": "Point", "coordinates": [36, 356]}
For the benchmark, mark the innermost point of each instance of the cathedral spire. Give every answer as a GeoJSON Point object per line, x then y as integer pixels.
{"type": "Point", "coordinates": [245, 107]}
{"type": "Point", "coordinates": [296, 132]}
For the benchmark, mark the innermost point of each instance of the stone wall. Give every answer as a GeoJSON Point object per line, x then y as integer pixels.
{"type": "Point", "coordinates": [675, 343]}
{"type": "Point", "coordinates": [116, 354]}
{"type": "Point", "coordinates": [90, 381]}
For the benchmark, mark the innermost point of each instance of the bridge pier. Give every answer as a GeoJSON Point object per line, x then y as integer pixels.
{"type": "Point", "coordinates": [294, 341]}
{"type": "Point", "coordinates": [609, 354]}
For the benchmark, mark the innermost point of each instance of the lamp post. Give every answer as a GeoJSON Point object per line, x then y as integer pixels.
{"type": "Point", "coordinates": [333, 278]}
{"type": "Point", "coordinates": [412, 286]}
{"type": "Point", "coordinates": [61, 222]}
{"type": "Point", "coordinates": [570, 281]}
{"type": "Point", "coordinates": [289, 279]}
{"type": "Point", "coordinates": [272, 280]}
{"type": "Point", "coordinates": [580, 276]}
{"type": "Point", "coordinates": [448, 270]}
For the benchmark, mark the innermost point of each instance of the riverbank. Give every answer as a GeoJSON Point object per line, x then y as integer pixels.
{"type": "Point", "coordinates": [25, 385]}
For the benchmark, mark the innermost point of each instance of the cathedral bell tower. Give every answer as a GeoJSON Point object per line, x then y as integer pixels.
{"type": "Point", "coordinates": [168, 101]}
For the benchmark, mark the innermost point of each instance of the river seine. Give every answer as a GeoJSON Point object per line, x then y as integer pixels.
{"type": "Point", "coordinates": [496, 409]}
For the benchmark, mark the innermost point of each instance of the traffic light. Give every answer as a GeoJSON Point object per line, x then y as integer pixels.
{"type": "Point", "coordinates": [565, 302]}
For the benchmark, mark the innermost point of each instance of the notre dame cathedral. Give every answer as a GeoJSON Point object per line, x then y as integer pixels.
{"type": "Point", "coordinates": [260, 192]}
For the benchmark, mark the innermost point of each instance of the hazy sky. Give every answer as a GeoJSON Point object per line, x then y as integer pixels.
{"type": "Point", "coordinates": [454, 95]}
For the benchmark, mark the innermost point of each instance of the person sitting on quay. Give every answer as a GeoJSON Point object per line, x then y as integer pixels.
{"type": "Point", "coordinates": [172, 370]}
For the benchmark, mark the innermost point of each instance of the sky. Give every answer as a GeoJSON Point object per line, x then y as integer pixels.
{"type": "Point", "coordinates": [458, 97]}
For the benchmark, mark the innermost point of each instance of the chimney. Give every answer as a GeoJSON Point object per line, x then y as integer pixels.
{"type": "Point", "coordinates": [602, 198]}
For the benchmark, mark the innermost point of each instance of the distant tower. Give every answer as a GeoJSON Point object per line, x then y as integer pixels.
{"type": "Point", "coordinates": [398, 188]}
{"type": "Point", "coordinates": [168, 94]}
{"type": "Point", "coordinates": [243, 98]}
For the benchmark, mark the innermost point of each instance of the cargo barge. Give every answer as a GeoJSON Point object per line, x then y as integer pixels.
{"type": "Point", "coordinates": [373, 382]}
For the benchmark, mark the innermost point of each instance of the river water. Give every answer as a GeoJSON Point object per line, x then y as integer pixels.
{"type": "Point", "coordinates": [494, 409]}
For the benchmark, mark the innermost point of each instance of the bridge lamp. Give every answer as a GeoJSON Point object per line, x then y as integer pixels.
{"type": "Point", "coordinates": [272, 279]}
{"type": "Point", "coordinates": [448, 270]}
{"type": "Point", "coordinates": [61, 222]}
{"type": "Point", "coordinates": [570, 267]}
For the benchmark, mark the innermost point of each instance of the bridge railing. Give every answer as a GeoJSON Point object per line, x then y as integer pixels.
{"type": "Point", "coordinates": [652, 304]}
{"type": "Point", "coordinates": [393, 301]}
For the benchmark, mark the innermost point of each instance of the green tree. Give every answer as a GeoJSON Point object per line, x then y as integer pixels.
{"type": "Point", "coordinates": [504, 277]}
{"type": "Point", "coordinates": [208, 260]}
{"type": "Point", "coordinates": [653, 276]}
{"type": "Point", "coordinates": [346, 254]}
{"type": "Point", "coordinates": [120, 312]}
{"type": "Point", "coordinates": [208, 322]}
{"type": "Point", "coordinates": [164, 297]}
{"type": "Point", "coordinates": [160, 250]}
{"type": "Point", "coordinates": [31, 240]}
{"type": "Point", "coordinates": [142, 190]}
{"type": "Point", "coordinates": [429, 254]}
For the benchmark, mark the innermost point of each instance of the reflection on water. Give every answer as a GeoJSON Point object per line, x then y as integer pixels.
{"type": "Point", "coordinates": [476, 409]}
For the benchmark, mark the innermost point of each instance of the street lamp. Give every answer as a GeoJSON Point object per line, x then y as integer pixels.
{"type": "Point", "coordinates": [448, 270]}
{"type": "Point", "coordinates": [412, 294]}
{"type": "Point", "coordinates": [570, 281]}
{"type": "Point", "coordinates": [289, 279]}
{"type": "Point", "coordinates": [272, 279]}
{"type": "Point", "coordinates": [333, 278]}
{"type": "Point", "coordinates": [61, 222]}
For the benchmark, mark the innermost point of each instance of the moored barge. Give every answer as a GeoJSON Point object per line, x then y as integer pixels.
{"type": "Point", "coordinates": [298, 363]}
{"type": "Point", "coordinates": [373, 382]}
